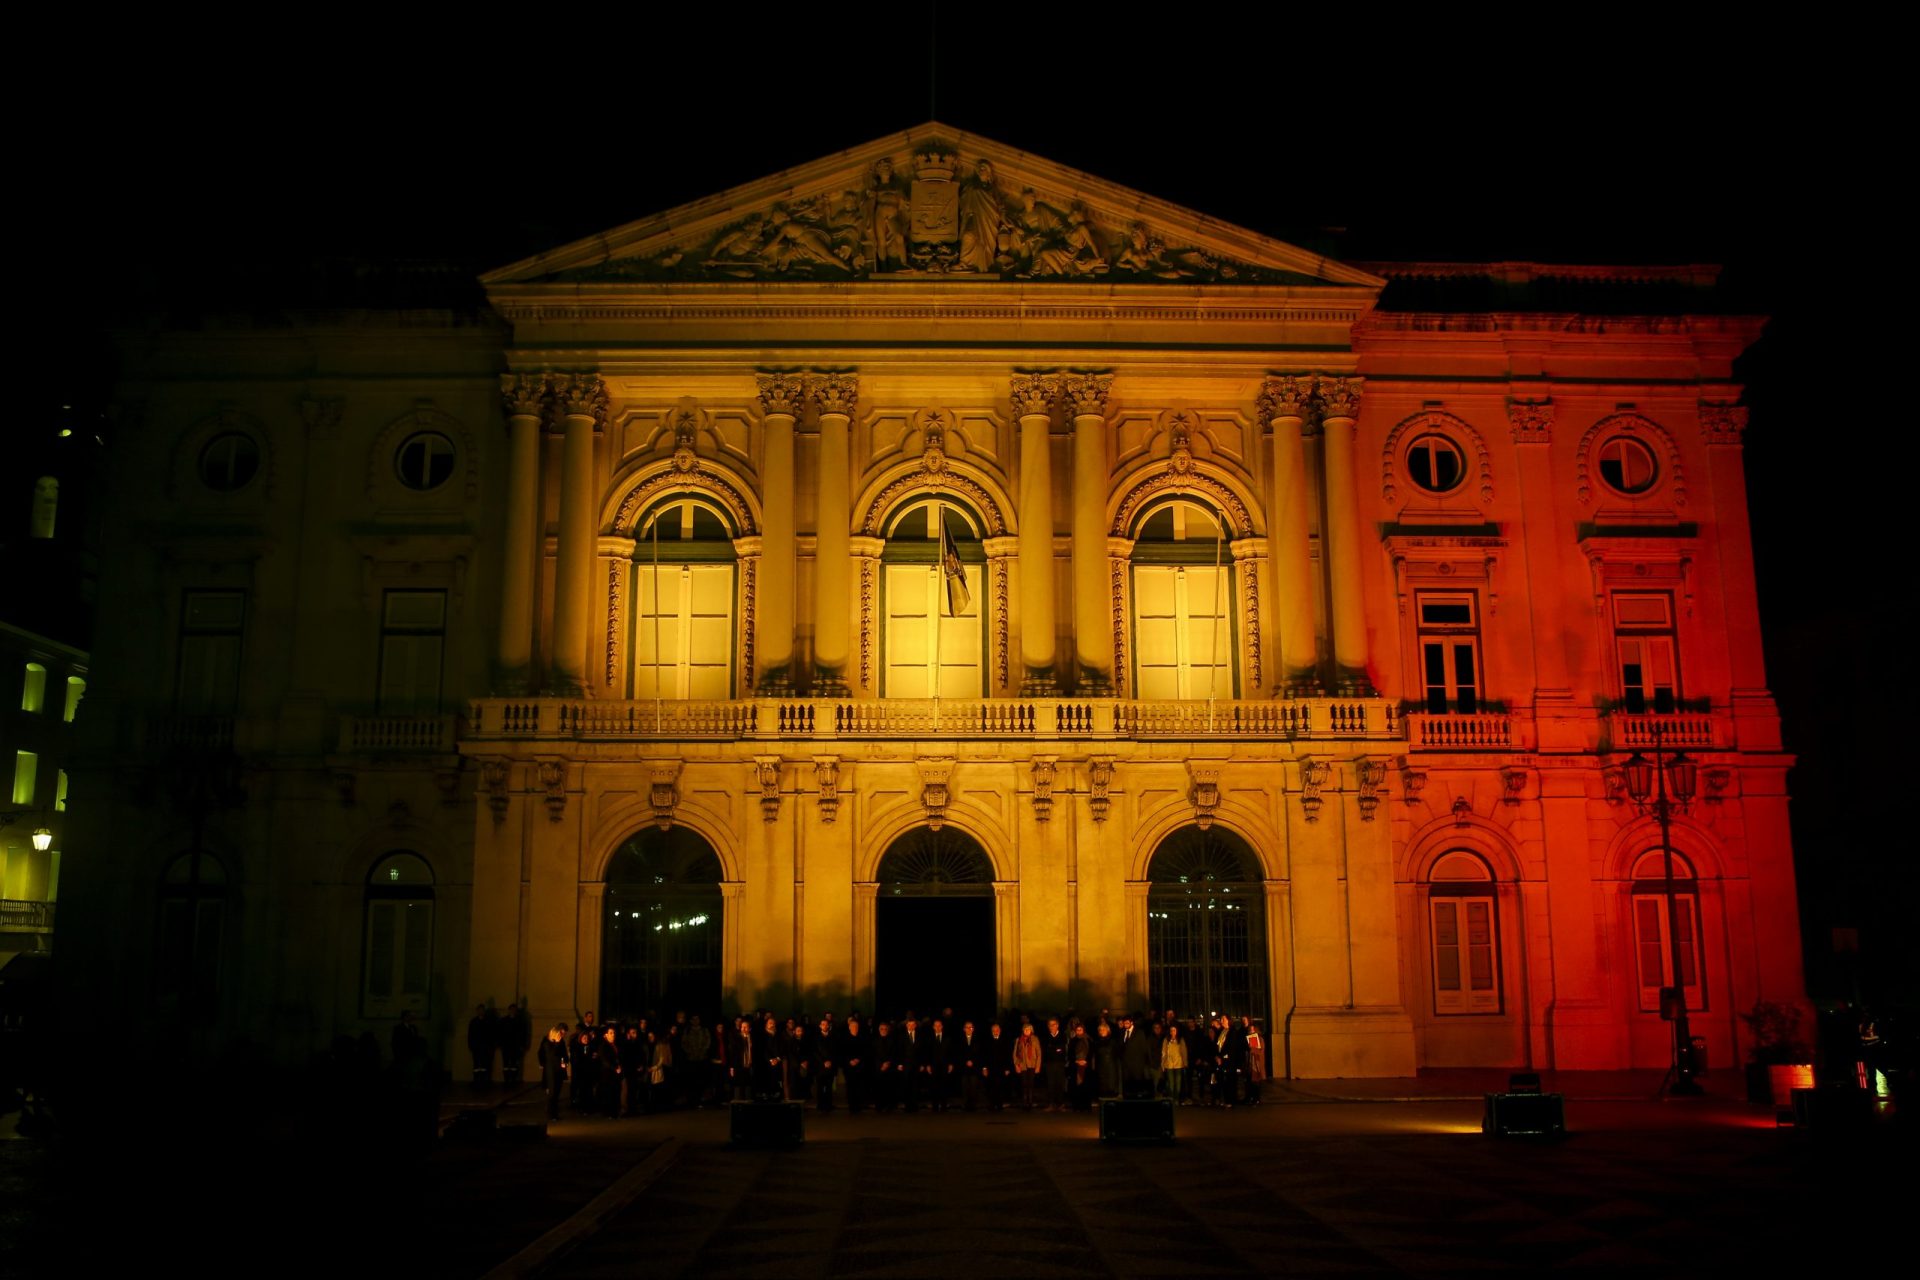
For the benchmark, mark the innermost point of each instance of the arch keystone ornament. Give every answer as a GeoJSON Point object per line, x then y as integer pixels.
{"type": "Point", "coordinates": [663, 793]}
{"type": "Point", "coordinates": [935, 793]}
{"type": "Point", "coordinates": [1206, 793]}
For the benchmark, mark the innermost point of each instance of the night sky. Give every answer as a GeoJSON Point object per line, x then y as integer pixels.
{"type": "Point", "coordinates": [154, 181]}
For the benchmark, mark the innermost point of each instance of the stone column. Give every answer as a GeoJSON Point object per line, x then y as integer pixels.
{"type": "Point", "coordinates": [513, 660]}
{"type": "Point", "coordinates": [615, 554]}
{"type": "Point", "coordinates": [1092, 598]}
{"type": "Point", "coordinates": [1283, 403]}
{"type": "Point", "coordinates": [1340, 404]}
{"type": "Point", "coordinates": [583, 401]}
{"type": "Point", "coordinates": [780, 399]}
{"type": "Point", "coordinates": [1032, 396]}
{"type": "Point", "coordinates": [832, 564]}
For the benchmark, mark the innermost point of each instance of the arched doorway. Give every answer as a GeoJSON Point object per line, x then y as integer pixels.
{"type": "Point", "coordinates": [660, 945]}
{"type": "Point", "coordinates": [1206, 925]}
{"type": "Point", "coordinates": [933, 926]}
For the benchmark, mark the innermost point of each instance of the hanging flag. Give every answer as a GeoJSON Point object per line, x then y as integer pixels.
{"type": "Point", "coordinates": [959, 600]}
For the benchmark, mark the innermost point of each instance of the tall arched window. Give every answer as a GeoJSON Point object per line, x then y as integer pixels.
{"type": "Point", "coordinates": [1183, 636]}
{"type": "Point", "coordinates": [1653, 940]}
{"type": "Point", "coordinates": [193, 905]}
{"type": "Point", "coordinates": [398, 961]}
{"type": "Point", "coordinates": [1206, 925]}
{"type": "Point", "coordinates": [682, 640]}
{"type": "Point", "coordinates": [663, 926]}
{"type": "Point", "coordinates": [934, 927]}
{"type": "Point", "coordinates": [936, 626]}
{"type": "Point", "coordinates": [1463, 924]}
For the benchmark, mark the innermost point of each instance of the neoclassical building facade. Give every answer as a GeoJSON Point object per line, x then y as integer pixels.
{"type": "Point", "coordinates": [936, 576]}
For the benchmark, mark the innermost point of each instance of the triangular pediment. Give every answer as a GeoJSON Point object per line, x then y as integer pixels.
{"type": "Point", "coordinates": [931, 203]}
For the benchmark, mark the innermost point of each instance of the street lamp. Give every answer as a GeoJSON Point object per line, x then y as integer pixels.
{"type": "Point", "coordinates": [43, 839]}
{"type": "Point", "coordinates": [1663, 787]}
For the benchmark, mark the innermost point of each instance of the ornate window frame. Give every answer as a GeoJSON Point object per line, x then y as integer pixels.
{"type": "Point", "coordinates": [1477, 478]}
{"type": "Point", "coordinates": [1669, 487]}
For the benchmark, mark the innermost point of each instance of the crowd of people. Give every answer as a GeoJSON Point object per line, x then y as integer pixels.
{"type": "Point", "coordinates": [639, 1066]}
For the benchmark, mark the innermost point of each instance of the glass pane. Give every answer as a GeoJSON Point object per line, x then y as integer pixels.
{"type": "Point", "coordinates": [382, 936]}
{"type": "Point", "coordinates": [1684, 927]}
{"type": "Point", "coordinates": [712, 590]}
{"type": "Point", "coordinates": [1446, 946]}
{"type": "Point", "coordinates": [1646, 917]}
{"type": "Point", "coordinates": [419, 944]}
{"type": "Point", "coordinates": [1480, 945]}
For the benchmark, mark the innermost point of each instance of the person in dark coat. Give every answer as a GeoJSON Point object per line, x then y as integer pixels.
{"type": "Point", "coordinates": [915, 1062]}
{"type": "Point", "coordinates": [607, 1073]}
{"type": "Point", "coordinates": [1229, 1060]}
{"type": "Point", "coordinates": [516, 1029]}
{"type": "Point", "coordinates": [1106, 1061]}
{"type": "Point", "coordinates": [408, 1043]}
{"type": "Point", "coordinates": [586, 1033]}
{"type": "Point", "coordinates": [1080, 1081]}
{"type": "Point", "coordinates": [887, 1080]}
{"type": "Point", "coordinates": [696, 1047]}
{"type": "Point", "coordinates": [1200, 1056]}
{"type": "Point", "coordinates": [635, 1058]}
{"type": "Point", "coordinates": [769, 1062]}
{"type": "Point", "coordinates": [943, 1057]}
{"type": "Point", "coordinates": [825, 1060]}
{"type": "Point", "coordinates": [481, 1040]}
{"type": "Point", "coordinates": [553, 1066]}
{"type": "Point", "coordinates": [999, 1060]}
{"type": "Point", "coordinates": [857, 1045]}
{"type": "Point", "coordinates": [972, 1048]}
{"type": "Point", "coordinates": [1053, 1064]}
{"type": "Point", "coordinates": [1139, 1059]}
{"type": "Point", "coordinates": [798, 1067]}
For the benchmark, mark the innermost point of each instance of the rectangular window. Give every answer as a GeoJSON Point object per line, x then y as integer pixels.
{"type": "Point", "coordinates": [1643, 635]}
{"type": "Point", "coordinates": [1653, 948]}
{"type": "Point", "coordinates": [413, 630]}
{"type": "Point", "coordinates": [1449, 651]}
{"type": "Point", "coordinates": [26, 773]}
{"type": "Point", "coordinates": [683, 631]}
{"type": "Point", "coordinates": [210, 626]}
{"type": "Point", "coordinates": [1183, 631]}
{"type": "Point", "coordinates": [399, 957]}
{"type": "Point", "coordinates": [1466, 963]}
{"type": "Point", "coordinates": [926, 648]}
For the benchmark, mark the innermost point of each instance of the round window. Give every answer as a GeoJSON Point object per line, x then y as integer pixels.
{"type": "Point", "coordinates": [424, 460]}
{"type": "Point", "coordinates": [1627, 465]}
{"type": "Point", "coordinates": [229, 461]}
{"type": "Point", "coordinates": [1435, 463]}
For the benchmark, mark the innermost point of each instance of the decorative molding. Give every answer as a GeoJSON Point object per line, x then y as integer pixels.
{"type": "Point", "coordinates": [932, 426]}
{"type": "Point", "coordinates": [1313, 776]}
{"type": "Point", "coordinates": [836, 392]}
{"type": "Point", "coordinates": [1480, 461]}
{"type": "Point", "coordinates": [766, 774]}
{"type": "Point", "coordinates": [1086, 394]}
{"type": "Point", "coordinates": [1339, 397]}
{"type": "Point", "coordinates": [935, 792]}
{"type": "Point", "coordinates": [1205, 794]}
{"type": "Point", "coordinates": [781, 393]}
{"type": "Point", "coordinates": [947, 478]}
{"type": "Point", "coordinates": [826, 777]}
{"type": "Point", "coordinates": [705, 476]}
{"type": "Point", "coordinates": [552, 777]}
{"type": "Point", "coordinates": [749, 579]}
{"type": "Point", "coordinates": [494, 777]}
{"type": "Point", "coordinates": [1283, 396]}
{"type": "Point", "coordinates": [869, 623]}
{"type": "Point", "coordinates": [1167, 478]}
{"type": "Point", "coordinates": [662, 792]}
{"type": "Point", "coordinates": [344, 781]}
{"type": "Point", "coordinates": [1250, 578]}
{"type": "Point", "coordinates": [1043, 773]}
{"type": "Point", "coordinates": [1099, 787]}
{"type": "Point", "coordinates": [525, 395]}
{"type": "Point", "coordinates": [1614, 779]}
{"type": "Point", "coordinates": [1118, 553]}
{"type": "Point", "coordinates": [1531, 420]}
{"type": "Point", "coordinates": [1180, 424]}
{"type": "Point", "coordinates": [1462, 811]}
{"type": "Point", "coordinates": [1719, 782]}
{"type": "Point", "coordinates": [322, 415]}
{"type": "Point", "coordinates": [1033, 394]}
{"type": "Point", "coordinates": [613, 621]}
{"type": "Point", "coordinates": [1722, 422]}
{"type": "Point", "coordinates": [582, 395]}
{"type": "Point", "coordinates": [1002, 609]}
{"type": "Point", "coordinates": [1649, 432]}
{"type": "Point", "coordinates": [1513, 783]}
{"type": "Point", "coordinates": [688, 418]}
{"type": "Point", "coordinates": [1370, 774]}
{"type": "Point", "coordinates": [1412, 781]}
{"type": "Point", "coordinates": [448, 783]}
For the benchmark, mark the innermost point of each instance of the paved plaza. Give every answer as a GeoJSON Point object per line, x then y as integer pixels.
{"type": "Point", "coordinates": [1324, 1178]}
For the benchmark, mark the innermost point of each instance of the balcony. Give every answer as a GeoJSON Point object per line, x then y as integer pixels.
{"type": "Point", "coordinates": [390, 735]}
{"type": "Point", "coordinates": [1699, 730]}
{"type": "Point", "coordinates": [1025, 719]}
{"type": "Point", "coordinates": [17, 916]}
{"type": "Point", "coordinates": [1460, 731]}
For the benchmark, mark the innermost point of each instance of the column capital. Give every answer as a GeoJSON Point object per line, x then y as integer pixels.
{"type": "Point", "coordinates": [1284, 396]}
{"type": "Point", "coordinates": [524, 395]}
{"type": "Point", "coordinates": [1532, 421]}
{"type": "Point", "coordinates": [1034, 393]}
{"type": "Point", "coordinates": [781, 393]}
{"type": "Point", "coordinates": [582, 395]}
{"type": "Point", "coordinates": [834, 392]}
{"type": "Point", "coordinates": [1086, 393]}
{"type": "Point", "coordinates": [1339, 398]}
{"type": "Point", "coordinates": [1722, 422]}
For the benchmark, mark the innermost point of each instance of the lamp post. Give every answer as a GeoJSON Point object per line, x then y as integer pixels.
{"type": "Point", "coordinates": [1663, 787]}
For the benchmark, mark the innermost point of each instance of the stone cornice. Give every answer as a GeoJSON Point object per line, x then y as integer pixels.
{"type": "Point", "coordinates": [1744, 328]}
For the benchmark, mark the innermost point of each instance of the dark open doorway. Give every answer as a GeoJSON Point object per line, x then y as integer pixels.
{"type": "Point", "coordinates": [934, 928]}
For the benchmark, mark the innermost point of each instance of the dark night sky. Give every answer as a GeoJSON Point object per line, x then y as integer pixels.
{"type": "Point", "coordinates": [1643, 144]}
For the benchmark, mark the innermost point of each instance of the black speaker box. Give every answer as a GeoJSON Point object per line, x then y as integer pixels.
{"type": "Point", "coordinates": [1826, 1110]}
{"type": "Point", "coordinates": [767, 1124]}
{"type": "Point", "coordinates": [1534, 1115]}
{"type": "Point", "coordinates": [1136, 1120]}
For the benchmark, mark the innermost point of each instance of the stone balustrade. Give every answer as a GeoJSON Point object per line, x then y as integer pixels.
{"type": "Point", "coordinates": [1696, 729]}
{"type": "Point", "coordinates": [22, 916]}
{"type": "Point", "coordinates": [1460, 731]}
{"type": "Point", "coordinates": [398, 734]}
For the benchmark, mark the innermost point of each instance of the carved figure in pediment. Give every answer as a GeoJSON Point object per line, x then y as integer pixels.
{"type": "Point", "coordinates": [887, 220]}
{"type": "Point", "coordinates": [737, 252]}
{"type": "Point", "coordinates": [1072, 249]}
{"type": "Point", "coordinates": [1147, 254]}
{"type": "Point", "coordinates": [794, 243]}
{"type": "Point", "coordinates": [982, 214]}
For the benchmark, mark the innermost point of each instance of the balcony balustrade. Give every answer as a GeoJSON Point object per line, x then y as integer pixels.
{"type": "Point", "coordinates": [17, 916]}
{"type": "Point", "coordinates": [1460, 731]}
{"type": "Point", "coordinates": [417, 735]}
{"type": "Point", "coordinates": [1699, 730]}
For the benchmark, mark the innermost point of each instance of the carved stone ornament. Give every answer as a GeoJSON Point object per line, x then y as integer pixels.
{"type": "Point", "coordinates": [524, 395]}
{"type": "Point", "coordinates": [834, 392]}
{"type": "Point", "coordinates": [1466, 437]}
{"type": "Point", "coordinates": [1412, 781]}
{"type": "Point", "coordinates": [935, 793]}
{"type": "Point", "coordinates": [1339, 397]}
{"type": "Point", "coordinates": [552, 777]}
{"type": "Point", "coordinates": [321, 414]}
{"type": "Point", "coordinates": [1370, 774]}
{"type": "Point", "coordinates": [1313, 776]}
{"type": "Point", "coordinates": [826, 777]}
{"type": "Point", "coordinates": [1284, 396]}
{"type": "Point", "coordinates": [1099, 787]}
{"type": "Point", "coordinates": [933, 424]}
{"type": "Point", "coordinates": [448, 782]}
{"type": "Point", "coordinates": [781, 393]}
{"type": "Point", "coordinates": [686, 431]}
{"type": "Point", "coordinates": [1206, 793]}
{"type": "Point", "coordinates": [1180, 443]}
{"type": "Point", "coordinates": [662, 792]}
{"type": "Point", "coordinates": [1531, 420]}
{"type": "Point", "coordinates": [1672, 476]}
{"type": "Point", "coordinates": [1043, 772]}
{"type": "Point", "coordinates": [766, 774]}
{"type": "Point", "coordinates": [1086, 393]}
{"type": "Point", "coordinates": [1033, 394]}
{"type": "Point", "coordinates": [344, 782]}
{"type": "Point", "coordinates": [581, 395]}
{"type": "Point", "coordinates": [1513, 784]}
{"type": "Point", "coordinates": [1722, 422]}
{"type": "Point", "coordinates": [1614, 779]}
{"type": "Point", "coordinates": [494, 775]}
{"type": "Point", "coordinates": [1719, 782]}
{"type": "Point", "coordinates": [1462, 811]}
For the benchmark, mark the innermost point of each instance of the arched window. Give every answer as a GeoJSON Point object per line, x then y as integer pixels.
{"type": "Point", "coordinates": [932, 864]}
{"type": "Point", "coordinates": [936, 626]}
{"type": "Point", "coordinates": [34, 691]}
{"type": "Point", "coordinates": [934, 926]}
{"type": "Point", "coordinates": [682, 640]}
{"type": "Point", "coordinates": [1463, 919]}
{"type": "Point", "coordinates": [1655, 941]}
{"type": "Point", "coordinates": [1183, 636]}
{"type": "Point", "coordinates": [397, 968]}
{"type": "Point", "coordinates": [663, 926]}
{"type": "Point", "coordinates": [193, 904]}
{"type": "Point", "coordinates": [1206, 925]}
{"type": "Point", "coordinates": [46, 505]}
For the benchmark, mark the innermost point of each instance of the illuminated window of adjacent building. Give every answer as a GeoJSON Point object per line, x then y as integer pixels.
{"type": "Point", "coordinates": [193, 902]}
{"type": "Point", "coordinates": [1653, 942]}
{"type": "Point", "coordinates": [26, 773]}
{"type": "Point", "coordinates": [1183, 640]}
{"type": "Point", "coordinates": [34, 691]}
{"type": "Point", "coordinates": [60, 792]}
{"type": "Point", "coordinates": [1644, 640]}
{"type": "Point", "coordinates": [399, 937]}
{"type": "Point", "coordinates": [229, 461]}
{"type": "Point", "coordinates": [1435, 463]}
{"type": "Point", "coordinates": [1627, 466]}
{"type": "Point", "coordinates": [46, 505]}
{"type": "Point", "coordinates": [683, 602]}
{"type": "Point", "coordinates": [424, 460]}
{"type": "Point", "coordinates": [76, 690]}
{"type": "Point", "coordinates": [936, 626]}
{"type": "Point", "coordinates": [210, 633]}
{"type": "Point", "coordinates": [1449, 627]}
{"type": "Point", "coordinates": [1463, 919]}
{"type": "Point", "coordinates": [413, 626]}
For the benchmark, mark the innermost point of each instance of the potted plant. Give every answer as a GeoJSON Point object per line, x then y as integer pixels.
{"type": "Point", "coordinates": [1778, 1056]}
